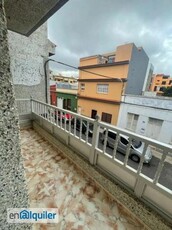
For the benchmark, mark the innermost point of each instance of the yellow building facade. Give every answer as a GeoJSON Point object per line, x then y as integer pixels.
{"type": "Point", "coordinates": [159, 81]}
{"type": "Point", "coordinates": [102, 82]}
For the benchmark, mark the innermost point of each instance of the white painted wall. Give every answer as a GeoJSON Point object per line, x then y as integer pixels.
{"type": "Point", "coordinates": [148, 77]}
{"type": "Point", "coordinates": [60, 102]}
{"type": "Point", "coordinates": [146, 108]}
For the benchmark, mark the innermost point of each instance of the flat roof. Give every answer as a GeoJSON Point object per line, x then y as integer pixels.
{"type": "Point", "coordinates": [97, 55]}
{"type": "Point", "coordinates": [103, 65]}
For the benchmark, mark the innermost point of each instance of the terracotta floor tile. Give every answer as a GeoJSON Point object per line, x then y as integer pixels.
{"type": "Point", "coordinates": [54, 182]}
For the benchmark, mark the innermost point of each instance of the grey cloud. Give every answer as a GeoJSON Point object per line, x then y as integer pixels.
{"type": "Point", "coordinates": [83, 28]}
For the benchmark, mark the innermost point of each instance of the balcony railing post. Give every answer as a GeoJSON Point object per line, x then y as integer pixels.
{"type": "Point", "coordinates": [31, 107]}
{"type": "Point", "coordinates": [92, 156]}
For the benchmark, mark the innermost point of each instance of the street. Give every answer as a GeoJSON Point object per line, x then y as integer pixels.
{"type": "Point", "coordinates": [147, 169]}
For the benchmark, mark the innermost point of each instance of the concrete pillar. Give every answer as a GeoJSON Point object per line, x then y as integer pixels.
{"type": "Point", "coordinates": [13, 193]}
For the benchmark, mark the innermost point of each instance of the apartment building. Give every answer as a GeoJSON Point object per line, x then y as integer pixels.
{"type": "Point", "coordinates": [64, 93]}
{"type": "Point", "coordinates": [60, 78]}
{"type": "Point", "coordinates": [103, 79]}
{"type": "Point", "coordinates": [159, 81]}
{"type": "Point", "coordinates": [148, 116]}
{"type": "Point", "coordinates": [67, 99]}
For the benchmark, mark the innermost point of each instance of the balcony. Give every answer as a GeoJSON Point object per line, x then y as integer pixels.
{"type": "Point", "coordinates": [64, 85]}
{"type": "Point", "coordinates": [90, 183]}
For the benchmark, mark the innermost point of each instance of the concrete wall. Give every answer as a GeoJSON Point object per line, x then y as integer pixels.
{"type": "Point", "coordinates": [146, 108]}
{"type": "Point", "coordinates": [13, 192]}
{"type": "Point", "coordinates": [124, 52]}
{"type": "Point", "coordinates": [114, 90]}
{"type": "Point", "coordinates": [27, 62]}
{"type": "Point", "coordinates": [86, 106]}
{"type": "Point", "coordinates": [93, 60]}
{"type": "Point", "coordinates": [148, 78]}
{"type": "Point", "coordinates": [118, 71]}
{"type": "Point", "coordinates": [137, 71]}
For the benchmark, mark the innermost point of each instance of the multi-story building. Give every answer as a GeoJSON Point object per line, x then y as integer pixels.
{"type": "Point", "coordinates": [67, 99]}
{"type": "Point", "coordinates": [159, 81]}
{"type": "Point", "coordinates": [148, 116]}
{"type": "Point", "coordinates": [104, 78]}
{"type": "Point", "coordinates": [60, 78]}
{"type": "Point", "coordinates": [63, 93]}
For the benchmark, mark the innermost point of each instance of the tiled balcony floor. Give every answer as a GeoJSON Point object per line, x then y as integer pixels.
{"type": "Point", "coordinates": [55, 182]}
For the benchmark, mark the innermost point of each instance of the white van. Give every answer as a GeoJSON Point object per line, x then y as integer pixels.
{"type": "Point", "coordinates": [136, 146]}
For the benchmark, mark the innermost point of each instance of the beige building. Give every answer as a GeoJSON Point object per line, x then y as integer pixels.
{"type": "Point", "coordinates": [160, 81]}
{"type": "Point", "coordinates": [102, 81]}
{"type": "Point", "coordinates": [60, 78]}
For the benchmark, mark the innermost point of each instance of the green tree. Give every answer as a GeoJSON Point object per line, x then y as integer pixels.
{"type": "Point", "coordinates": [167, 91]}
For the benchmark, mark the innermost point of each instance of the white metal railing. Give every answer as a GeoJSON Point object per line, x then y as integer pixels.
{"type": "Point", "coordinates": [68, 120]}
{"type": "Point", "coordinates": [92, 132]}
{"type": "Point", "coordinates": [65, 119]}
{"type": "Point", "coordinates": [148, 143]}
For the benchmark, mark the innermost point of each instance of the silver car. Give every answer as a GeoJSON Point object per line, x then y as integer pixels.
{"type": "Point", "coordinates": [136, 146]}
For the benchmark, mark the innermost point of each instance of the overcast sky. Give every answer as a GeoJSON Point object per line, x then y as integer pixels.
{"type": "Point", "coordinates": [87, 27]}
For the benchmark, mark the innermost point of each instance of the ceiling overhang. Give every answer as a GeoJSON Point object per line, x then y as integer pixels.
{"type": "Point", "coordinates": [25, 16]}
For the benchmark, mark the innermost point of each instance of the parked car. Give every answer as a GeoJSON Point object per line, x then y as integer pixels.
{"type": "Point", "coordinates": [63, 116]}
{"type": "Point", "coordinates": [84, 126]}
{"type": "Point", "coordinates": [136, 146]}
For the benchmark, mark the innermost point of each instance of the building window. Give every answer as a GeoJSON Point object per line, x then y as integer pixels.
{"type": "Point", "coordinates": [162, 89]}
{"type": "Point", "coordinates": [132, 120]}
{"type": "Point", "coordinates": [163, 82]}
{"type": "Point", "coordinates": [155, 88]}
{"type": "Point", "coordinates": [102, 88]}
{"type": "Point", "coordinates": [170, 82]}
{"type": "Point", "coordinates": [153, 128]}
{"type": "Point", "coordinates": [82, 86]}
{"type": "Point", "coordinates": [67, 104]}
{"type": "Point", "coordinates": [106, 117]}
{"type": "Point", "coordinates": [111, 59]}
{"type": "Point", "coordinates": [93, 114]}
{"type": "Point", "coordinates": [124, 141]}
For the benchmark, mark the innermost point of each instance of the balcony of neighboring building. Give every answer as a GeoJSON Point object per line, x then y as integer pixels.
{"type": "Point", "coordinates": [65, 84]}
{"type": "Point", "coordinates": [91, 184]}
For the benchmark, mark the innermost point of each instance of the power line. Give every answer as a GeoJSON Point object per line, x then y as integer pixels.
{"type": "Point", "coordinates": [77, 68]}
